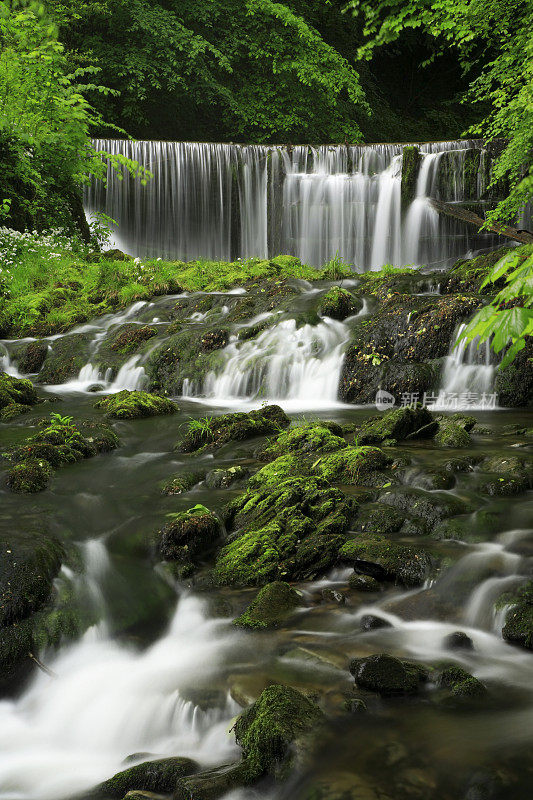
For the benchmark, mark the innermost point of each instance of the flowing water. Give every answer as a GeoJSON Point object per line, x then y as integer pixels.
{"type": "Point", "coordinates": [224, 201]}
{"type": "Point", "coordinates": [161, 670]}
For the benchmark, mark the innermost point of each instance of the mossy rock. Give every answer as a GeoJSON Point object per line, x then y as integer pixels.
{"type": "Point", "coordinates": [211, 784]}
{"type": "Point", "coordinates": [306, 439]}
{"type": "Point", "coordinates": [518, 627]}
{"type": "Point", "coordinates": [16, 643]}
{"type": "Point", "coordinates": [397, 424]}
{"type": "Point", "coordinates": [339, 303]}
{"type": "Point", "coordinates": [224, 478]}
{"type": "Point", "coordinates": [234, 427]}
{"type": "Point", "coordinates": [411, 159]}
{"type": "Point", "coordinates": [159, 776]}
{"type": "Point", "coordinates": [13, 410]}
{"type": "Point", "coordinates": [378, 519]}
{"type": "Point", "coordinates": [30, 357]}
{"type": "Point", "coordinates": [63, 362]}
{"type": "Point", "coordinates": [134, 404]}
{"type": "Point", "coordinates": [432, 507]}
{"type": "Point", "coordinates": [16, 391]}
{"type": "Point", "coordinates": [276, 731]}
{"type": "Point", "coordinates": [214, 340]}
{"type": "Point", "coordinates": [278, 470]}
{"type": "Point", "coordinates": [386, 560]}
{"type": "Point", "coordinates": [351, 464]}
{"type": "Point", "coordinates": [188, 534]}
{"type": "Point", "coordinates": [270, 608]}
{"type": "Point", "coordinates": [29, 476]}
{"type": "Point", "coordinates": [364, 583]}
{"type": "Point", "coordinates": [510, 475]}
{"type": "Point", "coordinates": [452, 434]}
{"type": "Point", "coordinates": [514, 384]}
{"type": "Point", "coordinates": [388, 676]}
{"type": "Point", "coordinates": [460, 683]}
{"type": "Point", "coordinates": [130, 337]}
{"type": "Point", "coordinates": [182, 482]}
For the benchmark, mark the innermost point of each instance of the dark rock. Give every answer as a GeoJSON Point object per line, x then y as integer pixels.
{"type": "Point", "coordinates": [211, 784]}
{"type": "Point", "coordinates": [224, 478]}
{"type": "Point", "coordinates": [386, 560]}
{"type": "Point", "coordinates": [333, 596]}
{"type": "Point", "coordinates": [234, 427]}
{"type": "Point", "coordinates": [31, 358]}
{"type": "Point", "coordinates": [161, 776]}
{"type": "Point", "coordinates": [214, 340]}
{"type": "Point", "coordinates": [364, 583]}
{"type": "Point", "coordinates": [188, 534]}
{"type": "Point", "coordinates": [270, 607]}
{"type": "Point", "coordinates": [182, 482]}
{"type": "Point", "coordinates": [397, 424]}
{"type": "Point", "coordinates": [514, 384]}
{"type": "Point", "coordinates": [518, 627]}
{"type": "Point", "coordinates": [388, 676]}
{"type": "Point", "coordinates": [369, 622]}
{"type": "Point", "coordinates": [431, 507]}
{"type": "Point", "coordinates": [339, 303]}
{"type": "Point", "coordinates": [458, 641]}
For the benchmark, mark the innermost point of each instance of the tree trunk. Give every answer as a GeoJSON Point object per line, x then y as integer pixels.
{"type": "Point", "coordinates": [525, 237]}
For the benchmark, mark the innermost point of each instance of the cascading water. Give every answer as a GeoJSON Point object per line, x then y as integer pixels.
{"type": "Point", "coordinates": [222, 201]}
{"type": "Point", "coordinates": [468, 376]}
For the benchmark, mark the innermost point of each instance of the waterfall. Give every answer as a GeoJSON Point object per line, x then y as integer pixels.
{"type": "Point", "coordinates": [468, 376]}
{"type": "Point", "coordinates": [226, 201]}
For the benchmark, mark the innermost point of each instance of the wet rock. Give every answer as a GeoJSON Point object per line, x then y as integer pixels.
{"type": "Point", "coordinates": [364, 583]}
{"type": "Point", "coordinates": [354, 465]}
{"type": "Point", "coordinates": [275, 732]}
{"type": "Point", "coordinates": [397, 424]}
{"type": "Point", "coordinates": [378, 519]}
{"type": "Point", "coordinates": [518, 627]}
{"type": "Point", "coordinates": [129, 338]}
{"type": "Point", "coordinates": [30, 358]}
{"type": "Point", "coordinates": [134, 404]}
{"type": "Point", "coordinates": [17, 395]}
{"type": "Point", "coordinates": [458, 641]}
{"type": "Point", "coordinates": [511, 476]}
{"type": "Point", "coordinates": [369, 622]}
{"type": "Point", "coordinates": [386, 560]}
{"type": "Point", "coordinates": [95, 387]}
{"type": "Point", "coordinates": [270, 607]}
{"type": "Point", "coordinates": [333, 596]}
{"type": "Point", "coordinates": [306, 439]}
{"type": "Point", "coordinates": [63, 362]}
{"type": "Point", "coordinates": [290, 530]}
{"type": "Point", "coordinates": [514, 384]}
{"type": "Point", "coordinates": [451, 434]}
{"type": "Point", "coordinates": [188, 534]}
{"type": "Point", "coordinates": [29, 476]}
{"type": "Point", "coordinates": [338, 785]}
{"type": "Point", "coordinates": [460, 683]}
{"type": "Point", "coordinates": [432, 508]}
{"type": "Point", "coordinates": [388, 676]}
{"type": "Point", "coordinates": [159, 776]}
{"type": "Point", "coordinates": [211, 784]}
{"type": "Point", "coordinates": [214, 340]}
{"type": "Point", "coordinates": [234, 427]}
{"type": "Point", "coordinates": [224, 478]}
{"type": "Point", "coordinates": [182, 482]}
{"type": "Point", "coordinates": [461, 464]}
{"type": "Point", "coordinates": [339, 303]}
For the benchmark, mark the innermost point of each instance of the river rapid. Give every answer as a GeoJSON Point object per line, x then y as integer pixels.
{"type": "Point", "coordinates": [161, 669]}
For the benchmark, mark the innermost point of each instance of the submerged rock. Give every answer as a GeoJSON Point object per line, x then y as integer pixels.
{"type": "Point", "coordinates": [271, 606]}
{"type": "Point", "coordinates": [133, 404]}
{"type": "Point", "coordinates": [431, 507]}
{"type": "Point", "coordinates": [159, 776]}
{"type": "Point", "coordinates": [388, 676]}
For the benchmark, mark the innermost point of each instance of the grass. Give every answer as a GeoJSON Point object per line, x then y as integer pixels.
{"type": "Point", "coordinates": [48, 287]}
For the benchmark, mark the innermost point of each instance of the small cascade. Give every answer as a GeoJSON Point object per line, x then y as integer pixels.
{"type": "Point", "coordinates": [66, 734]}
{"type": "Point", "coordinates": [6, 364]}
{"type": "Point", "coordinates": [468, 376]}
{"type": "Point", "coordinates": [226, 201]}
{"type": "Point", "coordinates": [285, 362]}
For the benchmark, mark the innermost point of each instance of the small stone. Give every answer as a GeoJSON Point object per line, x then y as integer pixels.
{"type": "Point", "coordinates": [458, 641]}
{"type": "Point", "coordinates": [364, 583]}
{"type": "Point", "coordinates": [369, 622]}
{"type": "Point", "coordinates": [333, 596]}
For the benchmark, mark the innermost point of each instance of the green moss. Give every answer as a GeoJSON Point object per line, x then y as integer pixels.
{"type": "Point", "coordinates": [386, 560]}
{"type": "Point", "coordinates": [309, 438]}
{"type": "Point", "coordinates": [29, 476]}
{"type": "Point", "coordinates": [452, 434]}
{"type": "Point", "coordinates": [460, 683]}
{"type": "Point", "coordinates": [128, 339]}
{"type": "Point", "coordinates": [274, 729]}
{"type": "Point", "coordinates": [13, 410]}
{"type": "Point", "coordinates": [182, 482]}
{"type": "Point", "coordinates": [518, 627]}
{"type": "Point", "coordinates": [388, 676]}
{"type": "Point", "coordinates": [270, 608]}
{"type": "Point", "coordinates": [16, 391]}
{"type": "Point", "coordinates": [188, 534]}
{"type": "Point", "coordinates": [160, 776]}
{"type": "Point", "coordinates": [339, 303]}
{"type": "Point", "coordinates": [133, 404]}
{"type": "Point", "coordinates": [410, 165]}
{"type": "Point", "coordinates": [398, 424]}
{"type": "Point", "coordinates": [234, 427]}
{"type": "Point", "coordinates": [224, 478]}
{"type": "Point", "coordinates": [350, 464]}
{"type": "Point", "coordinates": [278, 470]}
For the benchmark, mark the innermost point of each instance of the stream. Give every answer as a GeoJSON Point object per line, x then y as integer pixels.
{"type": "Point", "coordinates": [162, 671]}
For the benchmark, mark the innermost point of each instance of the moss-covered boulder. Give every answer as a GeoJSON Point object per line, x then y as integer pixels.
{"type": "Point", "coordinates": [290, 530]}
{"type": "Point", "coordinates": [339, 303]}
{"type": "Point", "coordinates": [224, 478]}
{"type": "Point", "coordinates": [214, 340]}
{"type": "Point", "coordinates": [460, 684]}
{"type": "Point", "coordinates": [275, 733]}
{"type": "Point", "coordinates": [378, 519]}
{"type": "Point", "coordinates": [188, 534]}
{"type": "Point", "coordinates": [216, 431]}
{"type": "Point", "coordinates": [518, 627]}
{"type": "Point", "coordinates": [30, 357]}
{"type": "Point", "coordinates": [398, 424]}
{"type": "Point", "coordinates": [388, 676]}
{"type": "Point", "coordinates": [29, 476]}
{"type": "Point", "coordinates": [65, 359]}
{"type": "Point", "coordinates": [271, 606]}
{"type": "Point", "coordinates": [160, 776]}
{"type": "Point", "coordinates": [452, 434]}
{"type": "Point", "coordinates": [514, 384]}
{"type": "Point", "coordinates": [364, 583]}
{"type": "Point", "coordinates": [306, 439]}
{"type": "Point", "coordinates": [431, 507]}
{"type": "Point", "coordinates": [385, 560]}
{"type": "Point", "coordinates": [130, 337]}
{"type": "Point", "coordinates": [134, 404]}
{"type": "Point", "coordinates": [182, 482]}
{"type": "Point", "coordinates": [351, 464]}
{"type": "Point", "coordinates": [507, 475]}
{"type": "Point", "coordinates": [17, 395]}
